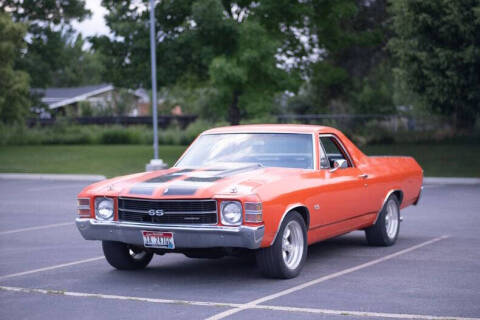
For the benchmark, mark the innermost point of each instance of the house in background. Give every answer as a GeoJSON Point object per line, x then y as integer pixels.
{"type": "Point", "coordinates": [69, 101]}
{"type": "Point", "coordinates": [143, 102]}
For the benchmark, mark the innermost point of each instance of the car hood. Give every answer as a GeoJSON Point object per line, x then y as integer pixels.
{"type": "Point", "coordinates": [221, 179]}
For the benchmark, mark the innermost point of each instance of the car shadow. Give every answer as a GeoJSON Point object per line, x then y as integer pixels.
{"type": "Point", "coordinates": [180, 269]}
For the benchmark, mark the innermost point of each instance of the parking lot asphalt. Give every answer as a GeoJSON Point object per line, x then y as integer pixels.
{"type": "Point", "coordinates": [48, 271]}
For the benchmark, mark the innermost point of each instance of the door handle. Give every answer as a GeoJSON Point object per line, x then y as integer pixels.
{"type": "Point", "coordinates": [363, 176]}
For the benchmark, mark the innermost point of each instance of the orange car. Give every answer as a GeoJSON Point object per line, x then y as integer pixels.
{"type": "Point", "coordinates": [267, 189]}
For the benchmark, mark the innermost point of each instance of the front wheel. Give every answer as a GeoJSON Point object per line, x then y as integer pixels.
{"type": "Point", "coordinates": [125, 257]}
{"type": "Point", "coordinates": [286, 257]}
{"type": "Point", "coordinates": [385, 231]}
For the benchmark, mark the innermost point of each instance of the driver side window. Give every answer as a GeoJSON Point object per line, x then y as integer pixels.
{"type": "Point", "coordinates": [333, 152]}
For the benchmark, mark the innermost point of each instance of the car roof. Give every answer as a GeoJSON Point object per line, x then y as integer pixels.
{"type": "Point", "coordinates": [280, 128]}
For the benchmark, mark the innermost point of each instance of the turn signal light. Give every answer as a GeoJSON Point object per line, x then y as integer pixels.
{"type": "Point", "coordinates": [83, 207]}
{"type": "Point", "coordinates": [253, 212]}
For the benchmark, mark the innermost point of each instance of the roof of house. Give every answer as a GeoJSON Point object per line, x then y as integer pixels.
{"type": "Point", "coordinates": [59, 97]}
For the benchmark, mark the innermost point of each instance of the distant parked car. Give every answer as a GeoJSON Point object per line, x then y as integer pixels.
{"type": "Point", "coordinates": [268, 189]}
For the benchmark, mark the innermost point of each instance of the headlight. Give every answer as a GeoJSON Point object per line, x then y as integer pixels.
{"type": "Point", "coordinates": [104, 208]}
{"type": "Point", "coordinates": [231, 213]}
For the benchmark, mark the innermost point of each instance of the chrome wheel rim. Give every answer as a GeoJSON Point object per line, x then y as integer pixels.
{"type": "Point", "coordinates": [292, 244]}
{"type": "Point", "coordinates": [391, 219]}
{"type": "Point", "coordinates": [136, 253]}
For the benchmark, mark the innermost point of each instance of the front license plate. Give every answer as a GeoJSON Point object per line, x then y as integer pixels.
{"type": "Point", "coordinates": [154, 239]}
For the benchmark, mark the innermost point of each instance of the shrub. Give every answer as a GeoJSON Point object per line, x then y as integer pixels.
{"type": "Point", "coordinates": [18, 135]}
{"type": "Point", "coordinates": [120, 135]}
{"type": "Point", "coordinates": [169, 136]}
{"type": "Point", "coordinates": [65, 134]}
{"type": "Point", "coordinates": [373, 132]}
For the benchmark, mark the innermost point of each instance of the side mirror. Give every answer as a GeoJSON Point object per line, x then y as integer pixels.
{"type": "Point", "coordinates": [339, 164]}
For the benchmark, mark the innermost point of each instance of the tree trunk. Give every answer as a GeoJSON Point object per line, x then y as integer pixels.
{"type": "Point", "coordinates": [234, 111]}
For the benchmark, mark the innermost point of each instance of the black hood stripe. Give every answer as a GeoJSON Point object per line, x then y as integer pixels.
{"type": "Point", "coordinates": [148, 187]}
{"type": "Point", "coordinates": [169, 176]}
{"type": "Point", "coordinates": [191, 184]}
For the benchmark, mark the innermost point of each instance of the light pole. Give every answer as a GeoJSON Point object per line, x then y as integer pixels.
{"type": "Point", "coordinates": [155, 163]}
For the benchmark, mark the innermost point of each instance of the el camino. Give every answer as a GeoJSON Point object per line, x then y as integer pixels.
{"type": "Point", "coordinates": [270, 190]}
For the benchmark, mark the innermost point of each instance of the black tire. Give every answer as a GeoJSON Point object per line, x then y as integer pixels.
{"type": "Point", "coordinates": [377, 234]}
{"type": "Point", "coordinates": [125, 257]}
{"type": "Point", "coordinates": [270, 260]}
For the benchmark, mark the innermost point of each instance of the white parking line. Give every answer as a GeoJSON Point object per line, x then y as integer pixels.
{"type": "Point", "coordinates": [54, 225]}
{"type": "Point", "coordinates": [361, 313]}
{"type": "Point", "coordinates": [253, 303]}
{"type": "Point", "coordinates": [117, 297]}
{"type": "Point", "coordinates": [233, 305]}
{"type": "Point", "coordinates": [58, 266]}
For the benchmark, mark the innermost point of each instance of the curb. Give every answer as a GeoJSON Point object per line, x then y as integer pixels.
{"type": "Point", "coordinates": [440, 180]}
{"type": "Point", "coordinates": [52, 177]}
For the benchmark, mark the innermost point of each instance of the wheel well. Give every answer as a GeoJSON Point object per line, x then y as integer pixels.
{"type": "Point", "coordinates": [399, 195]}
{"type": "Point", "coordinates": [304, 213]}
{"type": "Point", "coordinates": [301, 209]}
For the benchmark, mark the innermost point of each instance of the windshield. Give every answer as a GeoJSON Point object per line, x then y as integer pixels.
{"type": "Point", "coordinates": [286, 150]}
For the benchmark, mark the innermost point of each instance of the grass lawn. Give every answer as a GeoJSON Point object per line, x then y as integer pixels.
{"type": "Point", "coordinates": [108, 160]}
{"type": "Point", "coordinates": [112, 160]}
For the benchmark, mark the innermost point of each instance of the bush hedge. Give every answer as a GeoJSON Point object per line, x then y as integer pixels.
{"type": "Point", "coordinates": [67, 134]}
{"type": "Point", "coordinates": [64, 133]}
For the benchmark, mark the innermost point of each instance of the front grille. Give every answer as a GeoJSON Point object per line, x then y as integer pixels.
{"type": "Point", "coordinates": [174, 211]}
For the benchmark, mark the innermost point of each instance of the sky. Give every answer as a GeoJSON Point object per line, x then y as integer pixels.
{"type": "Point", "coordinates": [96, 24]}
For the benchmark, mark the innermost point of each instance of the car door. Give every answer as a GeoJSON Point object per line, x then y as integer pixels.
{"type": "Point", "coordinates": [344, 192]}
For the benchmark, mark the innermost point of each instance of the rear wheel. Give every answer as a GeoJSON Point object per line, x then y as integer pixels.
{"type": "Point", "coordinates": [125, 257]}
{"type": "Point", "coordinates": [286, 257]}
{"type": "Point", "coordinates": [385, 231]}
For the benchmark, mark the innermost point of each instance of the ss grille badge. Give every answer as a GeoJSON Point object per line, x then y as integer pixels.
{"type": "Point", "coordinates": [157, 212]}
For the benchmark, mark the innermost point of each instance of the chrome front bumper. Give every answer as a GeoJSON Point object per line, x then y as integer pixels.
{"type": "Point", "coordinates": [185, 236]}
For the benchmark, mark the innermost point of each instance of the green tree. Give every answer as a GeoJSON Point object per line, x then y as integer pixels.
{"type": "Point", "coordinates": [51, 12]}
{"type": "Point", "coordinates": [78, 66]}
{"type": "Point", "coordinates": [374, 93]}
{"type": "Point", "coordinates": [249, 51]}
{"type": "Point", "coordinates": [248, 79]}
{"type": "Point", "coordinates": [14, 89]}
{"type": "Point", "coordinates": [353, 35]}
{"type": "Point", "coordinates": [227, 46]}
{"type": "Point", "coordinates": [437, 45]}
{"type": "Point", "coordinates": [351, 72]}
{"type": "Point", "coordinates": [59, 59]}
{"type": "Point", "coordinates": [123, 101]}
{"type": "Point", "coordinates": [51, 42]}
